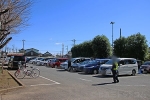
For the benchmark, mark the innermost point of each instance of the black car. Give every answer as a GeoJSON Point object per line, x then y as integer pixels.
{"type": "Point", "coordinates": [93, 66]}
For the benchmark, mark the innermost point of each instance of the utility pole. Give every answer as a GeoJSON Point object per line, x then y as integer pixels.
{"type": "Point", "coordinates": [16, 50]}
{"type": "Point", "coordinates": [120, 33]}
{"type": "Point", "coordinates": [13, 48]}
{"type": "Point", "coordinates": [74, 42]}
{"type": "Point", "coordinates": [112, 38]}
{"type": "Point", "coordinates": [62, 50]}
{"type": "Point", "coordinates": [60, 53]}
{"type": "Point", "coordinates": [67, 49]}
{"type": "Point", "coordinates": [23, 46]}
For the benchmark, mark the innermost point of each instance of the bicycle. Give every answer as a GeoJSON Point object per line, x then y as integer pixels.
{"type": "Point", "coordinates": [22, 71]}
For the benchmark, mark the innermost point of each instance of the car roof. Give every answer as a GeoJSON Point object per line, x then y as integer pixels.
{"type": "Point", "coordinates": [81, 58]}
{"type": "Point", "coordinates": [102, 59]}
{"type": "Point", "coordinates": [126, 58]}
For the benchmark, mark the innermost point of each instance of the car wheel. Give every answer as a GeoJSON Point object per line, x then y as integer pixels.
{"type": "Point", "coordinates": [145, 72]}
{"type": "Point", "coordinates": [95, 71]}
{"type": "Point", "coordinates": [133, 72]}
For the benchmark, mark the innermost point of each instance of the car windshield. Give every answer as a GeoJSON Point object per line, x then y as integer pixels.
{"type": "Point", "coordinates": [47, 59]}
{"type": "Point", "coordinates": [93, 62]}
{"type": "Point", "coordinates": [146, 63]}
{"type": "Point", "coordinates": [40, 58]}
{"type": "Point", "coordinates": [84, 62]}
{"type": "Point", "coordinates": [72, 59]}
{"type": "Point", "coordinates": [109, 62]}
{"type": "Point", "coordinates": [19, 58]}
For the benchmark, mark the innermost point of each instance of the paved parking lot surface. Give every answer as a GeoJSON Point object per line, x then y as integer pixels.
{"type": "Point", "coordinates": [57, 84]}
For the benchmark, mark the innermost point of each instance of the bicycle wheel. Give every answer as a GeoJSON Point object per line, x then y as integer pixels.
{"type": "Point", "coordinates": [19, 74]}
{"type": "Point", "coordinates": [35, 73]}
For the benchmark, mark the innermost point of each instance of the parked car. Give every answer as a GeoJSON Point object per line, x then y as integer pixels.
{"type": "Point", "coordinates": [64, 65]}
{"type": "Point", "coordinates": [47, 61]}
{"type": "Point", "coordinates": [73, 60]}
{"type": "Point", "coordinates": [145, 68]}
{"type": "Point", "coordinates": [40, 62]}
{"type": "Point", "coordinates": [126, 66]}
{"type": "Point", "coordinates": [29, 58]}
{"type": "Point", "coordinates": [93, 66]}
{"type": "Point", "coordinates": [56, 62]}
{"type": "Point", "coordinates": [5, 62]}
{"type": "Point", "coordinates": [33, 61]}
{"type": "Point", "coordinates": [15, 58]}
{"type": "Point", "coordinates": [76, 66]}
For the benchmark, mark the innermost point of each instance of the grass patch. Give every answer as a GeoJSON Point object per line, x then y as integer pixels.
{"type": "Point", "coordinates": [6, 81]}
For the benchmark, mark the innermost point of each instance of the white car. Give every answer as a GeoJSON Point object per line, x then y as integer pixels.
{"type": "Point", "coordinates": [34, 61]}
{"type": "Point", "coordinates": [126, 66]}
{"type": "Point", "coordinates": [42, 61]}
{"type": "Point", "coordinates": [64, 65]}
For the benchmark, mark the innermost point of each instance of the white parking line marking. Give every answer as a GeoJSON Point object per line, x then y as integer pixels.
{"type": "Point", "coordinates": [43, 84]}
{"type": "Point", "coordinates": [49, 80]}
{"type": "Point", "coordinates": [84, 79]}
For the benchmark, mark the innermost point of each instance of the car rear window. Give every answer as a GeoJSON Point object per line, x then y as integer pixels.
{"type": "Point", "coordinates": [146, 63]}
{"type": "Point", "coordinates": [19, 58]}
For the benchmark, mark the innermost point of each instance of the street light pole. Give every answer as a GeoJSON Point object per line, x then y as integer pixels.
{"type": "Point", "coordinates": [23, 46]}
{"type": "Point", "coordinates": [112, 37]}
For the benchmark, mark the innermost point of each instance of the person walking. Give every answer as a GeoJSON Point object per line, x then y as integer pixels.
{"type": "Point", "coordinates": [115, 71]}
{"type": "Point", "coordinates": [69, 64]}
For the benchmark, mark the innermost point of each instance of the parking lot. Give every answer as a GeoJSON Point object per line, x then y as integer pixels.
{"type": "Point", "coordinates": [57, 84]}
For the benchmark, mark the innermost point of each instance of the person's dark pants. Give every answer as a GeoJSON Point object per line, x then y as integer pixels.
{"type": "Point", "coordinates": [115, 76]}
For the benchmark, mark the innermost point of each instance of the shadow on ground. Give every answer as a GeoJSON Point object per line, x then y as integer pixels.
{"type": "Point", "coordinates": [61, 70]}
{"type": "Point", "coordinates": [109, 76]}
{"type": "Point", "coordinates": [82, 73]}
{"type": "Point", "coordinates": [102, 84]}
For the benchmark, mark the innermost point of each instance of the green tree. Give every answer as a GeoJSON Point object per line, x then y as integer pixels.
{"type": "Point", "coordinates": [101, 46]}
{"type": "Point", "coordinates": [134, 46]}
{"type": "Point", "coordinates": [137, 46]}
{"type": "Point", "coordinates": [87, 49]}
{"type": "Point", "coordinates": [82, 50]}
{"type": "Point", "coordinates": [120, 47]}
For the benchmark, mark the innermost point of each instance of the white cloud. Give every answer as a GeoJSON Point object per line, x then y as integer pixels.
{"type": "Point", "coordinates": [58, 43]}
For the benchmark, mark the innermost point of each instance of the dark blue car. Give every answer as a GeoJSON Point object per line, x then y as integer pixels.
{"type": "Point", "coordinates": [93, 66]}
{"type": "Point", "coordinates": [76, 66]}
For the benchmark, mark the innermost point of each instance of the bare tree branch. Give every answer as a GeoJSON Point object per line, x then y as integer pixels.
{"type": "Point", "coordinates": [13, 16]}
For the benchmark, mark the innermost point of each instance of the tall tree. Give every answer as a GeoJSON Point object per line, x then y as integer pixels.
{"type": "Point", "coordinates": [101, 46]}
{"type": "Point", "coordinates": [82, 50]}
{"type": "Point", "coordinates": [120, 47]}
{"type": "Point", "coordinates": [13, 16]}
{"type": "Point", "coordinates": [134, 46]}
{"type": "Point", "coordinates": [137, 46]}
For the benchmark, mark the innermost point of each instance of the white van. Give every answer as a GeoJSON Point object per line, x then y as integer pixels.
{"type": "Point", "coordinates": [126, 66]}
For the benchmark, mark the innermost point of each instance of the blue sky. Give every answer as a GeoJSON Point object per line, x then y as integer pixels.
{"type": "Point", "coordinates": [53, 22]}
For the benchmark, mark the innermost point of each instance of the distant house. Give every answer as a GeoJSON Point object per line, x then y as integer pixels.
{"type": "Point", "coordinates": [46, 54]}
{"type": "Point", "coordinates": [30, 52]}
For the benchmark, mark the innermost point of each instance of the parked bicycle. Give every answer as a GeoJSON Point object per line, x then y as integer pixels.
{"type": "Point", "coordinates": [23, 71]}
